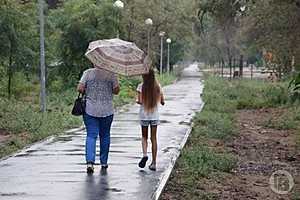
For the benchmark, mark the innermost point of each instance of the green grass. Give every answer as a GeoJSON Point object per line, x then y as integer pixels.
{"type": "Point", "coordinates": [248, 94]}
{"type": "Point", "coordinates": [202, 161]}
{"type": "Point", "coordinates": [166, 79]}
{"type": "Point", "coordinates": [289, 120]}
{"type": "Point", "coordinates": [214, 125]}
{"type": "Point", "coordinates": [296, 196]}
{"type": "Point", "coordinates": [216, 121]}
{"type": "Point", "coordinates": [198, 160]}
{"type": "Point", "coordinates": [26, 124]}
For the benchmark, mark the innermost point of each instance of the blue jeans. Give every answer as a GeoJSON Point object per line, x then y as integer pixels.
{"type": "Point", "coordinates": [97, 126]}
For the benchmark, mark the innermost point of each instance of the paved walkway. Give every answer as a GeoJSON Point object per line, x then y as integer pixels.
{"type": "Point", "coordinates": [55, 169]}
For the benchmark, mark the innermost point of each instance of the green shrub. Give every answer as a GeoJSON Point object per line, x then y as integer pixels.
{"type": "Point", "coordinates": [22, 87]}
{"type": "Point", "coordinates": [56, 85]}
{"type": "Point", "coordinates": [166, 79]}
{"type": "Point", "coordinates": [294, 87]}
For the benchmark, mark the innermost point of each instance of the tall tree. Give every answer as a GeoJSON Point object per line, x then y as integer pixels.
{"type": "Point", "coordinates": [217, 26]}
{"type": "Point", "coordinates": [18, 37]}
{"type": "Point", "coordinates": [80, 22]}
{"type": "Point", "coordinates": [274, 25]}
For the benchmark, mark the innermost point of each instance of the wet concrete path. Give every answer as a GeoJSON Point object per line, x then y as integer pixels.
{"type": "Point", "coordinates": [55, 169]}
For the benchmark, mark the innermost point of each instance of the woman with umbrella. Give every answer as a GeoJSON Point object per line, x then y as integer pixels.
{"type": "Point", "coordinates": [99, 86]}
{"type": "Point", "coordinates": [110, 57]}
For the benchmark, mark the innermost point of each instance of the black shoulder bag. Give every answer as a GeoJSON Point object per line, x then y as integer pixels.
{"type": "Point", "coordinates": [79, 105]}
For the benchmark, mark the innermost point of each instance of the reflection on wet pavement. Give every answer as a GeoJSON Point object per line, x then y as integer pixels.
{"type": "Point", "coordinates": [55, 169]}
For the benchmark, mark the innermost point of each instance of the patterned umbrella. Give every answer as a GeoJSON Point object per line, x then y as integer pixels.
{"type": "Point", "coordinates": [118, 56]}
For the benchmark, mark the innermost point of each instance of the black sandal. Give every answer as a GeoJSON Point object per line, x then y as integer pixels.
{"type": "Point", "coordinates": [143, 161]}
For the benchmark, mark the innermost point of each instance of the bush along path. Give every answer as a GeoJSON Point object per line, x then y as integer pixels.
{"type": "Point", "coordinates": [244, 145]}
{"type": "Point", "coordinates": [55, 169]}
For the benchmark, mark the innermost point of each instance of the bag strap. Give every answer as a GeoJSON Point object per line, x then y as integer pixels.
{"type": "Point", "coordinates": [82, 95]}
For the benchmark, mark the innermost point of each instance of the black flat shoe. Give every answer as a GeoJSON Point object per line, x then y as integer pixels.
{"type": "Point", "coordinates": [90, 168]}
{"type": "Point", "coordinates": [143, 161]}
{"type": "Point", "coordinates": [104, 167]}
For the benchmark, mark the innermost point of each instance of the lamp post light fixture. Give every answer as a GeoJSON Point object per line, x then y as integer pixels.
{"type": "Point", "coordinates": [161, 34]}
{"type": "Point", "coordinates": [168, 65]}
{"type": "Point", "coordinates": [149, 23]}
{"type": "Point", "coordinates": [243, 8]}
{"type": "Point", "coordinates": [119, 5]}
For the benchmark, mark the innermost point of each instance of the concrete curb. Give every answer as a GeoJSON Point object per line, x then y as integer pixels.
{"type": "Point", "coordinates": [168, 171]}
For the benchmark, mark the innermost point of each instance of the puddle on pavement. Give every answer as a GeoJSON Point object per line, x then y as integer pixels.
{"type": "Point", "coordinates": [63, 139]}
{"type": "Point", "coordinates": [164, 121]}
{"type": "Point", "coordinates": [113, 189]}
{"type": "Point", "coordinates": [65, 172]}
{"type": "Point", "coordinates": [167, 149]}
{"type": "Point", "coordinates": [170, 114]}
{"type": "Point", "coordinates": [13, 194]}
{"type": "Point", "coordinates": [5, 165]}
{"type": "Point", "coordinates": [49, 154]}
{"type": "Point", "coordinates": [33, 150]}
{"type": "Point", "coordinates": [185, 123]}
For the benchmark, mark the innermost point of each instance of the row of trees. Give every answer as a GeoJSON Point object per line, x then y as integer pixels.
{"type": "Point", "coordinates": [80, 22]}
{"type": "Point", "coordinates": [216, 31]}
{"type": "Point", "coordinates": [72, 24]}
{"type": "Point", "coordinates": [266, 29]}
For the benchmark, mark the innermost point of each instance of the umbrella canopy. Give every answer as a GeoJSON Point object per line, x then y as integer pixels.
{"type": "Point", "coordinates": [118, 56]}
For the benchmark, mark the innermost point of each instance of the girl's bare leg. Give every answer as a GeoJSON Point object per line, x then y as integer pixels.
{"type": "Point", "coordinates": [154, 144]}
{"type": "Point", "coordinates": [144, 159]}
{"type": "Point", "coordinates": [144, 139]}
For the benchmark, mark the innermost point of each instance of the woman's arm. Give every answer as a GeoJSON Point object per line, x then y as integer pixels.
{"type": "Point", "coordinates": [81, 88]}
{"type": "Point", "coordinates": [138, 98]}
{"type": "Point", "coordinates": [116, 84]}
{"type": "Point", "coordinates": [116, 90]}
{"type": "Point", "coordinates": [162, 99]}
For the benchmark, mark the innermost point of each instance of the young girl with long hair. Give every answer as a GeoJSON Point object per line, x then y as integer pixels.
{"type": "Point", "coordinates": [149, 95]}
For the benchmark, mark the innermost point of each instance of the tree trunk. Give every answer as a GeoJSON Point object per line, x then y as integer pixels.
{"type": "Point", "coordinates": [223, 64]}
{"type": "Point", "coordinates": [130, 25]}
{"type": "Point", "coordinates": [219, 67]}
{"type": "Point", "coordinates": [229, 57]}
{"type": "Point", "coordinates": [9, 73]}
{"type": "Point", "coordinates": [234, 65]}
{"type": "Point", "coordinates": [279, 71]}
{"type": "Point", "coordinates": [241, 65]}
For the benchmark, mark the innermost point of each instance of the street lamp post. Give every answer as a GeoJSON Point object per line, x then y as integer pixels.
{"type": "Point", "coordinates": [42, 57]}
{"type": "Point", "coordinates": [168, 65]}
{"type": "Point", "coordinates": [149, 23]}
{"type": "Point", "coordinates": [118, 5]}
{"type": "Point", "coordinates": [161, 34]}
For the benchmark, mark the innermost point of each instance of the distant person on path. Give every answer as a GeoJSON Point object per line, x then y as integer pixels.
{"type": "Point", "coordinates": [99, 86]}
{"type": "Point", "coordinates": [149, 95]}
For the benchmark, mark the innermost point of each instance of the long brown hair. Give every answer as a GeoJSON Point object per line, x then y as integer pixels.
{"type": "Point", "coordinates": [150, 91]}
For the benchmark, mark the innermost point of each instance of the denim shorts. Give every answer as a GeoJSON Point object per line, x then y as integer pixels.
{"type": "Point", "coordinates": [149, 122]}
